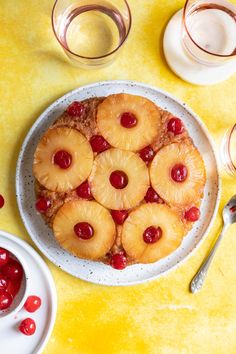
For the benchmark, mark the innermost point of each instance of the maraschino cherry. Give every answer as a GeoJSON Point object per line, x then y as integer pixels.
{"type": "Point", "coordinates": [179, 173]}
{"type": "Point", "coordinates": [99, 144]}
{"type": "Point", "coordinates": [118, 179]}
{"type": "Point", "coordinates": [84, 191]}
{"type": "Point", "coordinates": [84, 230]}
{"type": "Point", "coordinates": [192, 214]}
{"type": "Point", "coordinates": [147, 154]}
{"type": "Point", "coordinates": [152, 234]}
{"type": "Point", "coordinates": [32, 303]}
{"type": "Point", "coordinates": [63, 159]}
{"type": "Point", "coordinates": [118, 261]}
{"type": "Point", "coordinates": [42, 204]}
{"type": "Point", "coordinates": [28, 327]}
{"type": "Point", "coordinates": [75, 109]}
{"type": "Point", "coordinates": [119, 216]}
{"type": "Point", "coordinates": [175, 126]}
{"type": "Point", "coordinates": [128, 120]}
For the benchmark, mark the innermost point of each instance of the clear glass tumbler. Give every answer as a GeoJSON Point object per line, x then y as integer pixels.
{"type": "Point", "coordinates": [228, 151]}
{"type": "Point", "coordinates": [91, 32]}
{"type": "Point", "coordinates": [209, 31]}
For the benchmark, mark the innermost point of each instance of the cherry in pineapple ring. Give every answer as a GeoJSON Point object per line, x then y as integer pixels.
{"type": "Point", "coordinates": [118, 179]}
{"type": "Point", "coordinates": [32, 303]}
{"type": "Point", "coordinates": [152, 234]}
{"type": "Point", "coordinates": [84, 230]}
{"type": "Point", "coordinates": [179, 173]}
{"type": "Point", "coordinates": [128, 120]}
{"type": "Point", "coordinates": [63, 159]}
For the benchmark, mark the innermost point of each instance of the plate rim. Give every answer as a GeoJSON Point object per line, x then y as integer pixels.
{"type": "Point", "coordinates": [52, 287]}
{"type": "Point", "coordinates": [141, 85]}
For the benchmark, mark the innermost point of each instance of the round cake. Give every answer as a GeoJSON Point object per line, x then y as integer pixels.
{"type": "Point", "coordinates": [119, 180]}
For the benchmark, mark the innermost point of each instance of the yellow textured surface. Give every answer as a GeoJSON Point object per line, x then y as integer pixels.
{"type": "Point", "coordinates": [160, 316]}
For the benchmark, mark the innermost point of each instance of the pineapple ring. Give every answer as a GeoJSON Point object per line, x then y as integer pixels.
{"type": "Point", "coordinates": [50, 175]}
{"type": "Point", "coordinates": [97, 216]}
{"type": "Point", "coordinates": [151, 215]}
{"type": "Point", "coordinates": [134, 139]}
{"type": "Point", "coordinates": [136, 171]}
{"type": "Point", "coordinates": [172, 192]}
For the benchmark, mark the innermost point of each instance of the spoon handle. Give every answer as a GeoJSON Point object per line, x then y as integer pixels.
{"type": "Point", "coordinates": [198, 280]}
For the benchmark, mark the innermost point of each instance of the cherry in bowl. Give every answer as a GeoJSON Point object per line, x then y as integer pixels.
{"type": "Point", "coordinates": [13, 280]}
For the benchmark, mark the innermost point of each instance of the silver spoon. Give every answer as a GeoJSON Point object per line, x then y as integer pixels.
{"type": "Point", "coordinates": [229, 217]}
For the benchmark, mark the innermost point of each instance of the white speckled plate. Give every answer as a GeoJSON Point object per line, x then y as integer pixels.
{"type": "Point", "coordinates": [94, 271]}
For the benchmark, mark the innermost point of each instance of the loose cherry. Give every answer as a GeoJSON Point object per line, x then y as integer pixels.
{"type": "Point", "coordinates": [2, 201]}
{"type": "Point", "coordinates": [119, 216]}
{"type": "Point", "coordinates": [152, 234]}
{"type": "Point", "coordinates": [13, 270]}
{"type": "Point", "coordinates": [75, 109]}
{"type": "Point", "coordinates": [5, 300]}
{"type": "Point", "coordinates": [4, 257]}
{"type": "Point", "coordinates": [28, 327]}
{"type": "Point", "coordinates": [42, 204]}
{"type": "Point", "coordinates": [193, 214]}
{"type": "Point", "coordinates": [147, 154]}
{"type": "Point", "coordinates": [118, 261]}
{"type": "Point", "coordinates": [152, 196]}
{"type": "Point", "coordinates": [84, 230]}
{"type": "Point", "coordinates": [98, 143]}
{"type": "Point", "coordinates": [3, 282]}
{"type": "Point", "coordinates": [84, 191]}
{"type": "Point", "coordinates": [32, 303]}
{"type": "Point", "coordinates": [128, 120]}
{"type": "Point", "coordinates": [118, 179]}
{"type": "Point", "coordinates": [179, 173]}
{"type": "Point", "coordinates": [175, 126]}
{"type": "Point", "coordinates": [63, 159]}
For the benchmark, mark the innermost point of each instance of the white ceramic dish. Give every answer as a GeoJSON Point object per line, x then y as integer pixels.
{"type": "Point", "coordinates": [40, 283]}
{"type": "Point", "coordinates": [94, 271]}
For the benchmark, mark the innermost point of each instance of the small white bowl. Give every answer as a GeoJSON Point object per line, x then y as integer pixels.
{"type": "Point", "coordinates": [20, 298]}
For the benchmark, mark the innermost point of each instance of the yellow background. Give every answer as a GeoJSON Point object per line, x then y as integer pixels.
{"type": "Point", "coordinates": [160, 316]}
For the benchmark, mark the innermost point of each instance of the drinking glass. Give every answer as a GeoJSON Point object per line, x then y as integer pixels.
{"type": "Point", "coordinates": [228, 151]}
{"type": "Point", "coordinates": [91, 32]}
{"type": "Point", "coordinates": [200, 41]}
{"type": "Point", "coordinates": [209, 31]}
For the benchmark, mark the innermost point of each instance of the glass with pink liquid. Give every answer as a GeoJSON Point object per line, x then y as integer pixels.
{"type": "Point", "coordinates": [91, 32]}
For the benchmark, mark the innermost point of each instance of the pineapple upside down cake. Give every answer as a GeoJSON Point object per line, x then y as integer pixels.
{"type": "Point", "coordinates": [119, 180]}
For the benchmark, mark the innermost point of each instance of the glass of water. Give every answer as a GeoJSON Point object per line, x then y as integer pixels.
{"type": "Point", "coordinates": [228, 151]}
{"type": "Point", "coordinates": [91, 32]}
{"type": "Point", "coordinates": [209, 31]}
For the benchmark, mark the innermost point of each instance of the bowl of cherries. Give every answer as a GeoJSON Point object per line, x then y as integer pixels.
{"type": "Point", "coordinates": [13, 281]}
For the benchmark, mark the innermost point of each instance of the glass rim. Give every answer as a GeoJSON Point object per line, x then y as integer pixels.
{"type": "Point", "coordinates": [195, 43]}
{"type": "Point", "coordinates": [97, 57]}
